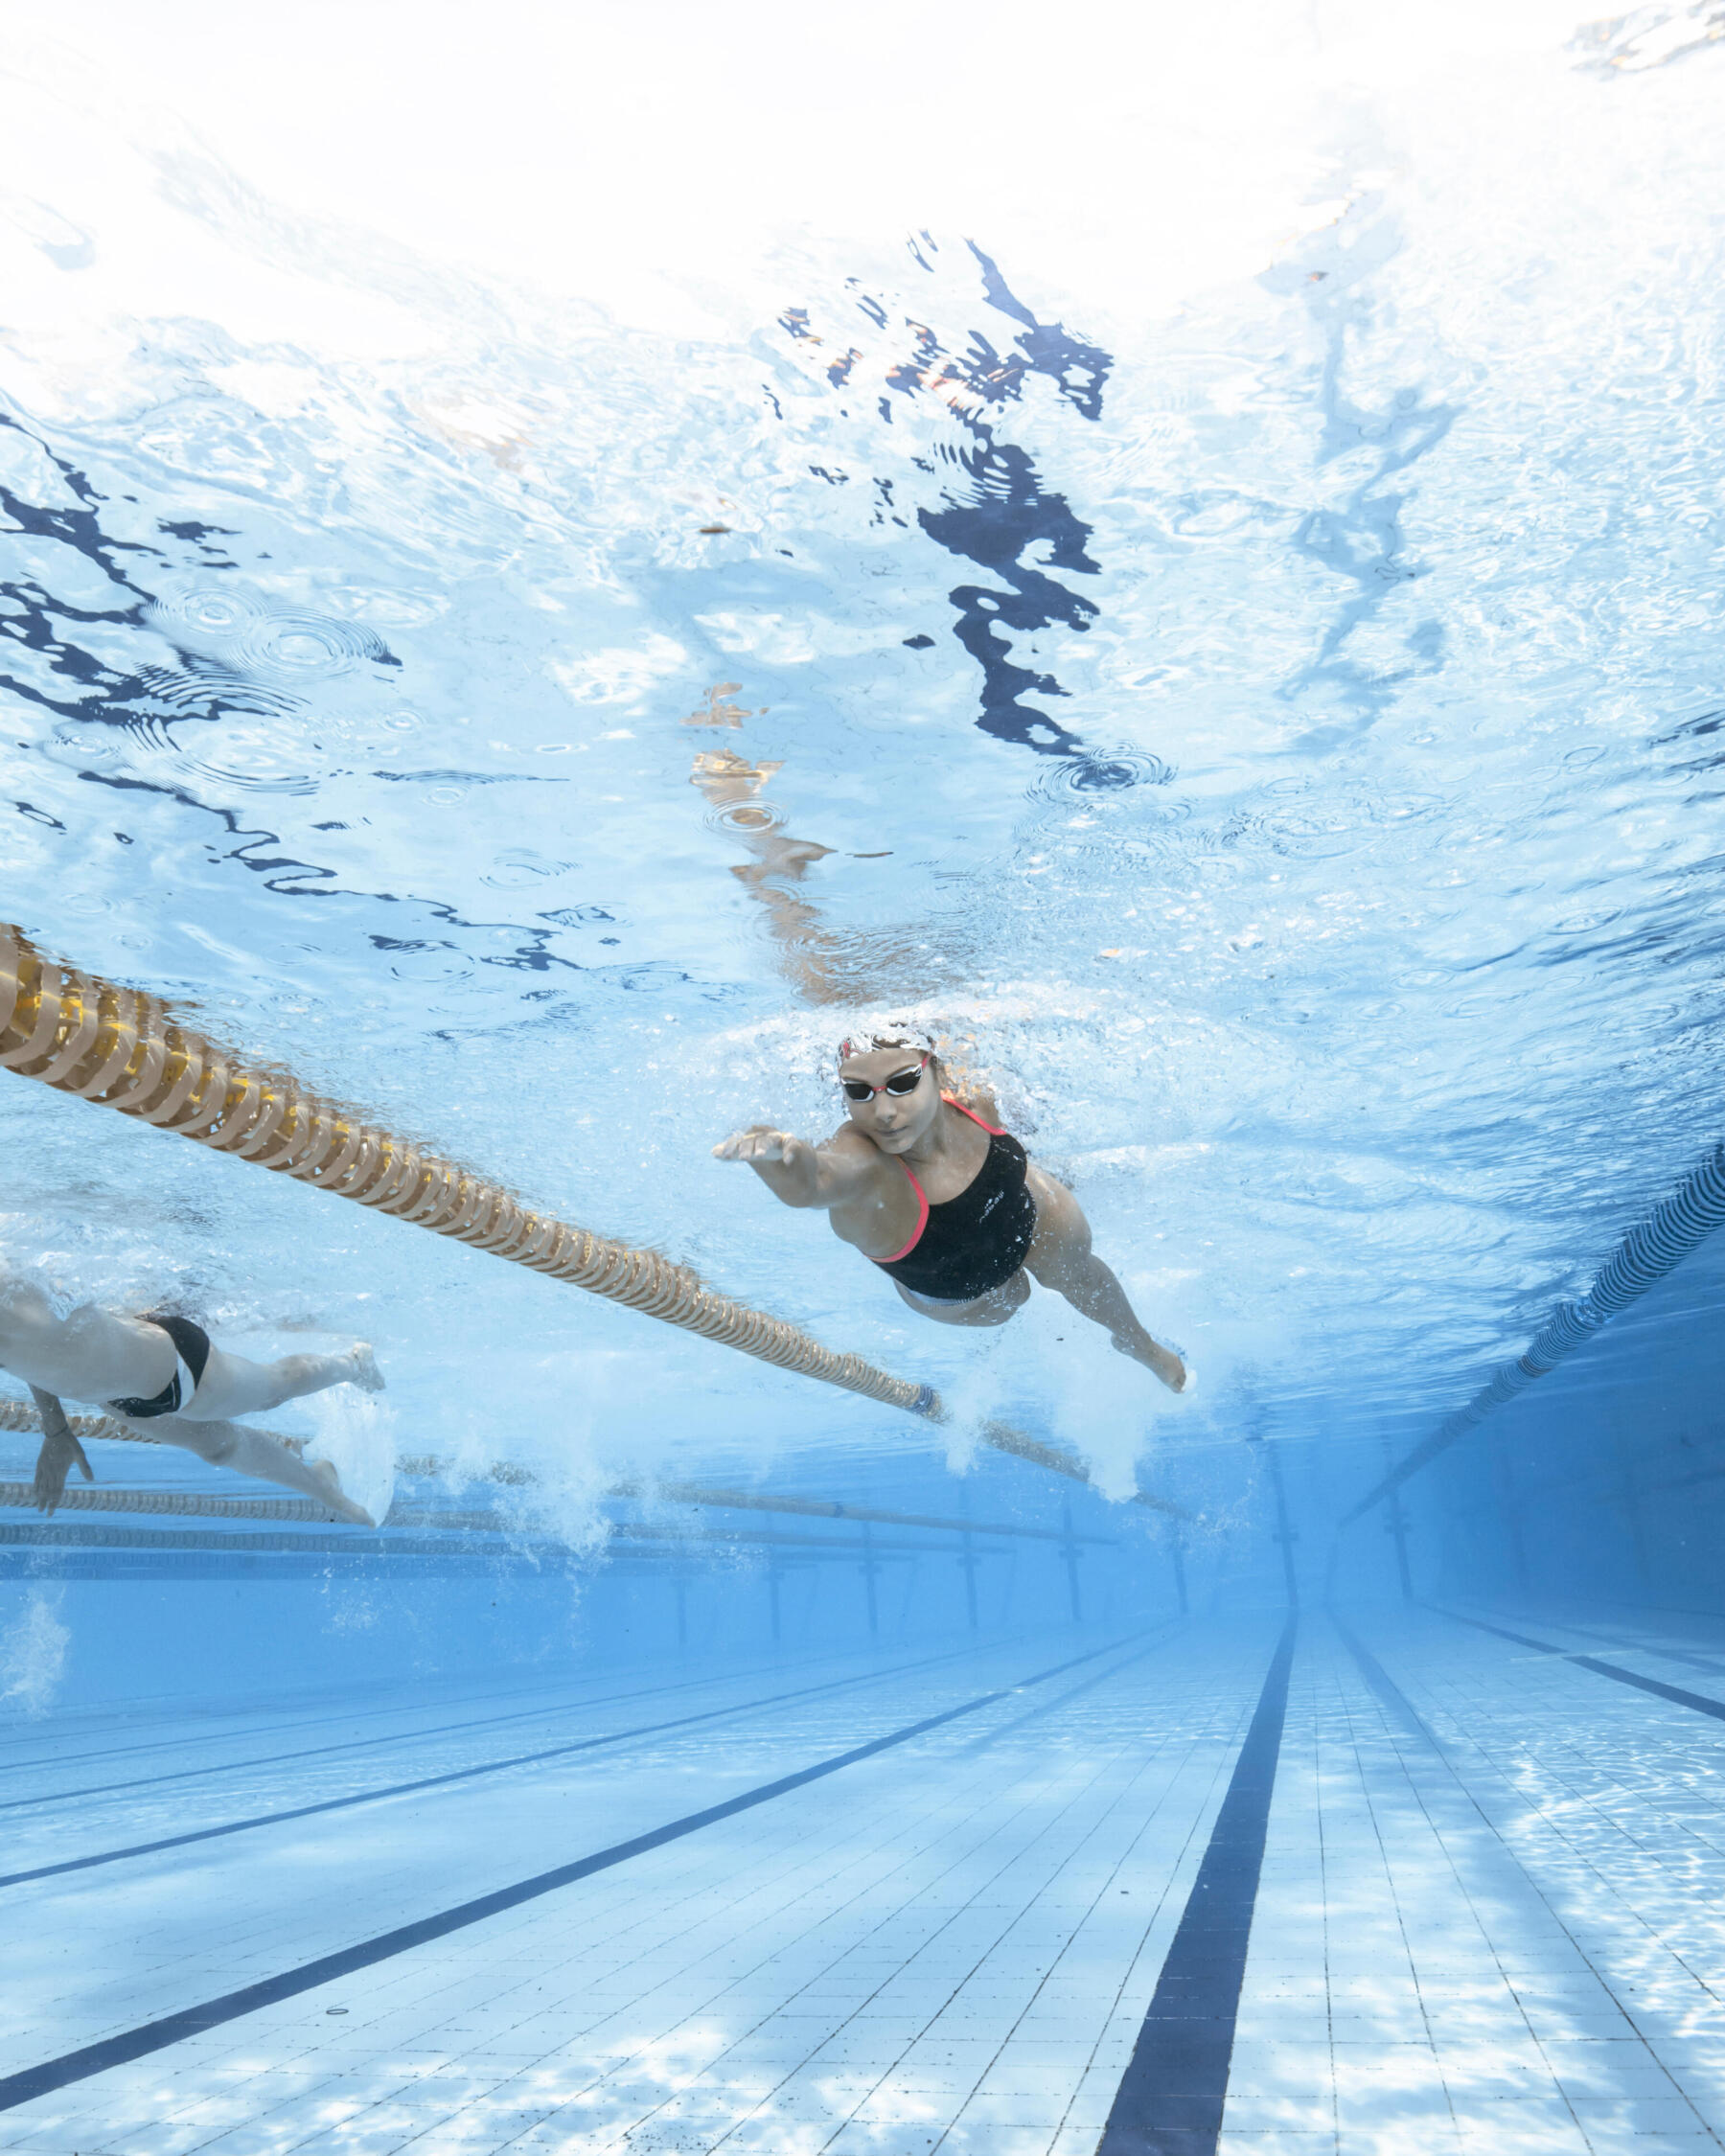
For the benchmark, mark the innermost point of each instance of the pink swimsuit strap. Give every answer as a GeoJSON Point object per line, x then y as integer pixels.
{"type": "Point", "coordinates": [922, 1201]}
{"type": "Point", "coordinates": [972, 1113]}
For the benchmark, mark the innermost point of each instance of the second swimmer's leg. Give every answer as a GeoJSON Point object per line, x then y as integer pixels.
{"type": "Point", "coordinates": [256, 1452]}
{"type": "Point", "coordinates": [233, 1385]}
{"type": "Point", "coordinates": [1061, 1258]}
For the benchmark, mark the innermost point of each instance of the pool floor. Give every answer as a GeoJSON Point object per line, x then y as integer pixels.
{"type": "Point", "coordinates": [900, 1901]}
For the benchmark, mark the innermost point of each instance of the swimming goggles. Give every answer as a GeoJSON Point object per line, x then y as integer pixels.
{"type": "Point", "coordinates": [900, 1083]}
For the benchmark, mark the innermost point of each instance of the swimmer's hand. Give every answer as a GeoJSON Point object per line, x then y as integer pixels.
{"type": "Point", "coordinates": [761, 1146]}
{"type": "Point", "coordinates": [790, 1167]}
{"type": "Point", "coordinates": [60, 1452]}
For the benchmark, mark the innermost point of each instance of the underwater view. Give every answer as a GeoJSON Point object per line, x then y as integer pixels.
{"type": "Point", "coordinates": [967, 772]}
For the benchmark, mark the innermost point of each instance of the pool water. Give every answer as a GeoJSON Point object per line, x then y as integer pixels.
{"type": "Point", "coordinates": [548, 579]}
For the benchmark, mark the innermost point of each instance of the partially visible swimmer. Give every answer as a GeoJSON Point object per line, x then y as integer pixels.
{"type": "Point", "coordinates": [165, 1372]}
{"type": "Point", "coordinates": [947, 1203]}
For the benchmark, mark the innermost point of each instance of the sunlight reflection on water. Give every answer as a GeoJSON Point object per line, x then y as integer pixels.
{"type": "Point", "coordinates": [1276, 737]}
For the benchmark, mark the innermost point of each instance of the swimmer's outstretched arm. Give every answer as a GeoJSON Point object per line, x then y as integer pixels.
{"type": "Point", "coordinates": [801, 1174]}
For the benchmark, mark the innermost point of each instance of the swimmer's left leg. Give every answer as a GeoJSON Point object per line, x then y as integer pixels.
{"type": "Point", "coordinates": [257, 1452]}
{"type": "Point", "coordinates": [233, 1385]}
{"type": "Point", "coordinates": [1061, 1258]}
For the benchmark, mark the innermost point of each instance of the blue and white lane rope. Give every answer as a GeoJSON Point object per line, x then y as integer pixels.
{"type": "Point", "coordinates": [1652, 1248]}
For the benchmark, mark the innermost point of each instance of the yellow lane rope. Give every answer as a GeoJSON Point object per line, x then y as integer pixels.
{"type": "Point", "coordinates": [124, 1049]}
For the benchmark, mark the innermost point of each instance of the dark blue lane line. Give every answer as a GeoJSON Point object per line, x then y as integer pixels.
{"type": "Point", "coordinates": [1165, 1637]}
{"type": "Point", "coordinates": [563, 1699]}
{"type": "Point", "coordinates": [407, 1736]}
{"type": "Point", "coordinates": [563, 1702]}
{"type": "Point", "coordinates": [1387, 1692]}
{"type": "Point", "coordinates": [291, 1719]}
{"type": "Point", "coordinates": [1171, 2098]}
{"type": "Point", "coordinates": [1712, 1664]}
{"type": "Point", "coordinates": [193, 2021]}
{"type": "Point", "coordinates": [1698, 1701]}
{"type": "Point", "coordinates": [453, 1775]}
{"type": "Point", "coordinates": [314, 1752]}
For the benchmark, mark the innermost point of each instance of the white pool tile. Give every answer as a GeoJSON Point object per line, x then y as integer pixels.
{"type": "Point", "coordinates": [1494, 1938]}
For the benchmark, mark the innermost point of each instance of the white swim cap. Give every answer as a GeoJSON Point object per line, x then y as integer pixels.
{"type": "Point", "coordinates": [886, 1033]}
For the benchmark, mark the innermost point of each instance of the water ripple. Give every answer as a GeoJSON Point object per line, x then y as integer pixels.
{"type": "Point", "coordinates": [285, 648]}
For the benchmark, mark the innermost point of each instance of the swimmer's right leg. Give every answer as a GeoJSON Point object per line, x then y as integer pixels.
{"type": "Point", "coordinates": [255, 1452]}
{"type": "Point", "coordinates": [233, 1385]}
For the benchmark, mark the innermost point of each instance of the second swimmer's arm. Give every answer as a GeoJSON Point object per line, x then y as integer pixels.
{"type": "Point", "coordinates": [794, 1171]}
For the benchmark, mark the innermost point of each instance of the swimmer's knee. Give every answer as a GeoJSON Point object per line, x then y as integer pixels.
{"type": "Point", "coordinates": [22, 1299]}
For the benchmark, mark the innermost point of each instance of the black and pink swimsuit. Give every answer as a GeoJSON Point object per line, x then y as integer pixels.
{"type": "Point", "coordinates": [970, 1245]}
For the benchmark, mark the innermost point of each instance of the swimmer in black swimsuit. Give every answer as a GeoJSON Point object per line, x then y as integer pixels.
{"type": "Point", "coordinates": [944, 1201]}
{"type": "Point", "coordinates": [166, 1372]}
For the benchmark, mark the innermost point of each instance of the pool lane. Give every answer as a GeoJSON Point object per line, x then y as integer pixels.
{"type": "Point", "coordinates": [455, 1775]}
{"type": "Point", "coordinates": [1698, 1702]}
{"type": "Point", "coordinates": [568, 1705]}
{"type": "Point", "coordinates": [1171, 2095]}
{"type": "Point", "coordinates": [835, 1940]}
{"type": "Point", "coordinates": [1479, 1926]}
{"type": "Point", "coordinates": [126, 2045]}
{"type": "Point", "coordinates": [1510, 1961]}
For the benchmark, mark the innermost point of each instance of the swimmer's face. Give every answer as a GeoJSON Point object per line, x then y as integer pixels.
{"type": "Point", "coordinates": [895, 1121]}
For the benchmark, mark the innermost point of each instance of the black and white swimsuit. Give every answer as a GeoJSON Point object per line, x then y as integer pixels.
{"type": "Point", "coordinates": [970, 1245]}
{"type": "Point", "coordinates": [191, 1352]}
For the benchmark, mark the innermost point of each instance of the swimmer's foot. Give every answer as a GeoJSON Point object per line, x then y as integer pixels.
{"type": "Point", "coordinates": [1159, 1360]}
{"type": "Point", "coordinates": [335, 1497]}
{"type": "Point", "coordinates": [365, 1373]}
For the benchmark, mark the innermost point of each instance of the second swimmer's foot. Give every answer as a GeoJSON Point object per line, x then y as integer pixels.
{"type": "Point", "coordinates": [366, 1374]}
{"type": "Point", "coordinates": [337, 1498]}
{"type": "Point", "coordinates": [1160, 1362]}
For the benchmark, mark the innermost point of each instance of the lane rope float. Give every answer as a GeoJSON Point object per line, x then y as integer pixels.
{"type": "Point", "coordinates": [171, 1504]}
{"type": "Point", "coordinates": [121, 1048]}
{"type": "Point", "coordinates": [1653, 1248]}
{"type": "Point", "coordinates": [20, 1415]}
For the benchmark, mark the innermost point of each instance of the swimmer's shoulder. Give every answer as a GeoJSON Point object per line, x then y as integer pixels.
{"type": "Point", "coordinates": [866, 1184]}
{"type": "Point", "coordinates": [850, 1149]}
{"type": "Point", "coordinates": [979, 1099]}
